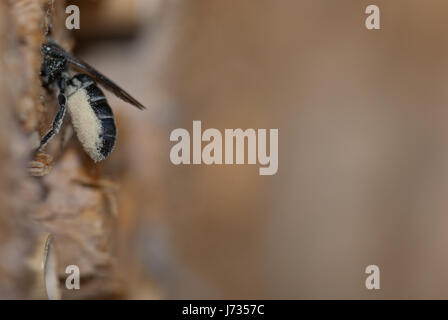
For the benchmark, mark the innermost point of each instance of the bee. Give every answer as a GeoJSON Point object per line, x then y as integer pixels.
{"type": "Point", "coordinates": [91, 116]}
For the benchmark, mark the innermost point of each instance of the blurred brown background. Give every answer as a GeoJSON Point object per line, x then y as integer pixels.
{"type": "Point", "coordinates": [363, 146]}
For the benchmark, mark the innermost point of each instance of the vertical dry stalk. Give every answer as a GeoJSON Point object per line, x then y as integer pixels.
{"type": "Point", "coordinates": [68, 198]}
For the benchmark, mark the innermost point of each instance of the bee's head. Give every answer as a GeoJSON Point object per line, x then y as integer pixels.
{"type": "Point", "coordinates": [53, 64]}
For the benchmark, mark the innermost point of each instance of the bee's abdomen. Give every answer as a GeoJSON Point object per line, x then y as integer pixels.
{"type": "Point", "coordinates": [105, 115]}
{"type": "Point", "coordinates": [92, 117]}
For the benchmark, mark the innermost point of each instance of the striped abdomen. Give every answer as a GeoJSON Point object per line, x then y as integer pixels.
{"type": "Point", "coordinates": [92, 117]}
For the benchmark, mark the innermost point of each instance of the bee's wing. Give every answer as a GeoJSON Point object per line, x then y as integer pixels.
{"type": "Point", "coordinates": [108, 84]}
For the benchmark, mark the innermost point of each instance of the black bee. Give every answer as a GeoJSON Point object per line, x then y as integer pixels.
{"type": "Point", "coordinates": [91, 115]}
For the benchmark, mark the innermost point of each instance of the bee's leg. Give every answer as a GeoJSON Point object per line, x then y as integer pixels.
{"type": "Point", "coordinates": [57, 122]}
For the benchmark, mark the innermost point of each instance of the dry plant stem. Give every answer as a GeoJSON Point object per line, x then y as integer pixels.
{"type": "Point", "coordinates": [78, 215]}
